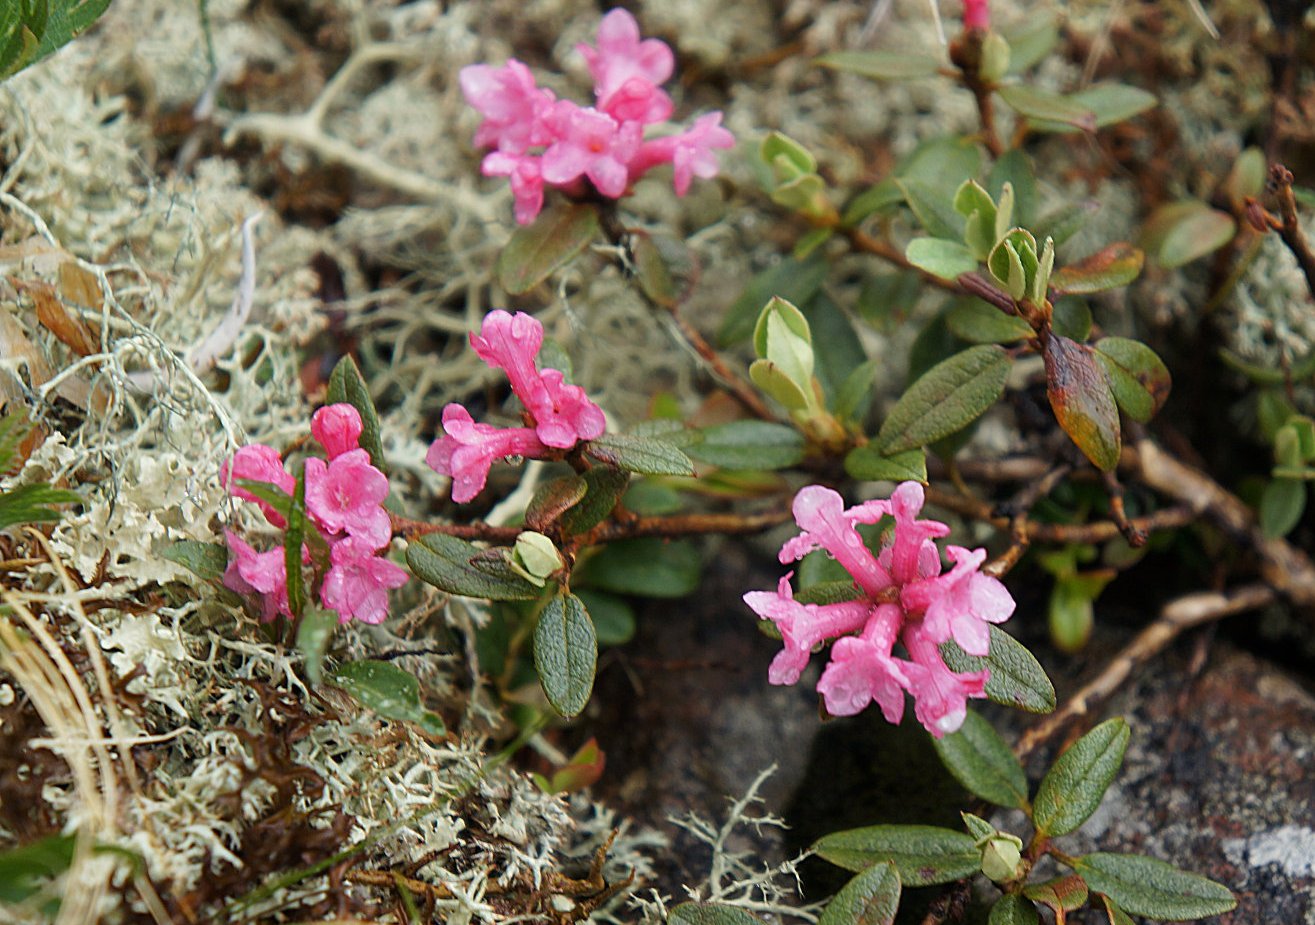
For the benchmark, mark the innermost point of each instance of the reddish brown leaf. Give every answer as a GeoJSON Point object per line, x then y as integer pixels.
{"type": "Point", "coordinates": [55, 317]}
{"type": "Point", "coordinates": [1080, 396]}
{"type": "Point", "coordinates": [1114, 266]}
{"type": "Point", "coordinates": [78, 286]}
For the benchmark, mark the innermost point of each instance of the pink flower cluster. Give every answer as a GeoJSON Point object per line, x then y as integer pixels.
{"type": "Point", "coordinates": [344, 503]}
{"type": "Point", "coordinates": [905, 598]}
{"type": "Point", "coordinates": [540, 139]}
{"type": "Point", "coordinates": [560, 414]}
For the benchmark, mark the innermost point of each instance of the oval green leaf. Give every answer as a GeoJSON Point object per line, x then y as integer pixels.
{"type": "Point", "coordinates": [1145, 886]}
{"type": "Point", "coordinates": [1109, 268]}
{"type": "Point", "coordinates": [645, 566]}
{"type": "Point", "coordinates": [1012, 909]}
{"type": "Point", "coordinates": [864, 462]}
{"type": "Point", "coordinates": [979, 323]}
{"type": "Point", "coordinates": [1047, 107]}
{"type": "Point", "coordinates": [933, 206]}
{"type": "Point", "coordinates": [710, 914]}
{"type": "Point", "coordinates": [1138, 377]}
{"type": "Point", "coordinates": [948, 397]}
{"type": "Point", "coordinates": [871, 898]}
{"type": "Point", "coordinates": [388, 691]}
{"type": "Point", "coordinates": [644, 455]}
{"type": "Point", "coordinates": [347, 385]}
{"type": "Point", "coordinates": [204, 560]}
{"type": "Point", "coordinates": [1281, 505]}
{"type": "Point", "coordinates": [554, 498]}
{"type": "Point", "coordinates": [881, 65]}
{"type": "Point", "coordinates": [605, 485]}
{"type": "Point", "coordinates": [1082, 401]}
{"type": "Point", "coordinates": [445, 563]}
{"type": "Point", "coordinates": [923, 854]}
{"type": "Point", "coordinates": [983, 762]}
{"type": "Point", "coordinates": [1178, 233]}
{"type": "Point", "coordinates": [1110, 103]}
{"type": "Point", "coordinates": [749, 445]}
{"type": "Point", "coordinates": [1076, 783]}
{"type": "Point", "coordinates": [1017, 678]}
{"type": "Point", "coordinates": [940, 257]}
{"type": "Point", "coordinates": [566, 653]}
{"type": "Point", "coordinates": [536, 251]}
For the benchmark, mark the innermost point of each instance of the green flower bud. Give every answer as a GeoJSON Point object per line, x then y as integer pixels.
{"type": "Point", "coordinates": [534, 557]}
{"type": "Point", "coordinates": [1002, 857]}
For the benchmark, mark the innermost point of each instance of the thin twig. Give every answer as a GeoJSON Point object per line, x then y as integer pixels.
{"type": "Point", "coordinates": [1280, 180]}
{"type": "Point", "coordinates": [676, 525]}
{"type": "Point", "coordinates": [1178, 616]}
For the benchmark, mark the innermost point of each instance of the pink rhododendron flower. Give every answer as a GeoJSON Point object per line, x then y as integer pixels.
{"type": "Point", "coordinates": [525, 171]}
{"type": "Point", "coordinates": [563, 414]}
{"type": "Point", "coordinates": [626, 70]}
{"type": "Point", "coordinates": [904, 598]}
{"type": "Point", "coordinates": [347, 494]}
{"type": "Point", "coordinates": [512, 104]}
{"type": "Point", "coordinates": [358, 581]}
{"type": "Point", "coordinates": [591, 144]}
{"type": "Point", "coordinates": [337, 428]}
{"type": "Point", "coordinates": [690, 153]}
{"type": "Point", "coordinates": [258, 463]}
{"type": "Point", "coordinates": [976, 14]}
{"type": "Point", "coordinates": [467, 450]}
{"type": "Point", "coordinates": [264, 573]}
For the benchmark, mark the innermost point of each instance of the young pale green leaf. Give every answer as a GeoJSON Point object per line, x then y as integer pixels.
{"type": "Point", "coordinates": [1109, 268]}
{"type": "Point", "coordinates": [871, 898]}
{"type": "Point", "coordinates": [1110, 103]}
{"type": "Point", "coordinates": [932, 206]}
{"type": "Point", "coordinates": [807, 195]}
{"type": "Point", "coordinates": [566, 653]}
{"type": "Point", "coordinates": [1012, 909]}
{"type": "Point", "coordinates": [773, 381]}
{"type": "Point", "coordinates": [1247, 177]}
{"type": "Point", "coordinates": [881, 65]}
{"type": "Point", "coordinates": [1063, 894]}
{"type": "Point", "coordinates": [445, 563]}
{"type": "Point", "coordinates": [975, 204]}
{"type": "Point", "coordinates": [975, 321]}
{"type": "Point", "coordinates": [1082, 401]}
{"type": "Point", "coordinates": [1038, 105]}
{"type": "Point", "coordinates": [1281, 505]}
{"type": "Point", "coordinates": [865, 463]}
{"type": "Point", "coordinates": [1138, 377]}
{"type": "Point", "coordinates": [1178, 233]}
{"type": "Point", "coordinates": [315, 632]}
{"type": "Point", "coordinates": [27, 504]}
{"type": "Point", "coordinates": [922, 854]}
{"type": "Point", "coordinates": [795, 281]}
{"type": "Point", "coordinates": [347, 385]}
{"type": "Point", "coordinates": [614, 618]}
{"type": "Point", "coordinates": [940, 257]}
{"type": "Point", "coordinates": [810, 241]}
{"type": "Point", "coordinates": [1014, 169]}
{"type": "Point", "coordinates": [1004, 211]}
{"type": "Point", "coordinates": [782, 337]}
{"type": "Point", "coordinates": [204, 560]}
{"type": "Point", "coordinates": [387, 690]}
{"type": "Point", "coordinates": [983, 762]}
{"type": "Point", "coordinates": [646, 567]}
{"type": "Point", "coordinates": [1076, 783]}
{"type": "Point", "coordinates": [1071, 614]}
{"type": "Point", "coordinates": [749, 445]}
{"type": "Point", "coordinates": [694, 913]}
{"type": "Point", "coordinates": [1145, 886]}
{"type": "Point", "coordinates": [978, 827]}
{"type": "Point", "coordinates": [1013, 261]}
{"type": "Point", "coordinates": [1031, 39]}
{"type": "Point", "coordinates": [945, 399]}
{"type": "Point", "coordinates": [22, 869]}
{"type": "Point", "coordinates": [605, 486]}
{"type": "Point", "coordinates": [1017, 678]}
{"type": "Point", "coordinates": [554, 498]}
{"type": "Point", "coordinates": [644, 455]}
{"type": "Point", "coordinates": [788, 158]}
{"type": "Point", "coordinates": [1039, 289]}
{"type": "Point", "coordinates": [534, 252]}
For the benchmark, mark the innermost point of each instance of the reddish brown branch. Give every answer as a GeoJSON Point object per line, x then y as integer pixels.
{"type": "Point", "coordinates": [683, 525]}
{"type": "Point", "coordinates": [1280, 180]}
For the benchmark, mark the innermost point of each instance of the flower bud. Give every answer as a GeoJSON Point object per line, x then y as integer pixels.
{"type": "Point", "coordinates": [1002, 857]}
{"type": "Point", "coordinates": [535, 557]}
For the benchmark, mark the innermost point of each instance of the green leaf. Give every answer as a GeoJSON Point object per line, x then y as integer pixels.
{"type": "Point", "coordinates": [828, 592]}
{"type": "Point", "coordinates": [749, 445]}
{"type": "Point", "coordinates": [774, 381]}
{"type": "Point", "coordinates": [932, 206]}
{"type": "Point", "coordinates": [694, 913]}
{"type": "Point", "coordinates": [1178, 233]}
{"type": "Point", "coordinates": [1247, 177]}
{"type": "Point", "coordinates": [552, 499]}
{"type": "Point", "coordinates": [1116, 915]}
{"type": "Point", "coordinates": [1138, 377]}
{"type": "Point", "coordinates": [924, 855]}
{"type": "Point", "coordinates": [605, 486]}
{"type": "Point", "coordinates": [445, 562]}
{"type": "Point", "coordinates": [882, 65]}
{"type": "Point", "coordinates": [836, 344]}
{"type": "Point", "coordinates": [27, 504]}
{"type": "Point", "coordinates": [1031, 39]}
{"type": "Point", "coordinates": [205, 560]}
{"type": "Point", "coordinates": [945, 399]}
{"type": "Point", "coordinates": [645, 566]}
{"type": "Point", "coordinates": [1039, 105]}
{"type": "Point", "coordinates": [347, 385]}
{"type": "Point", "coordinates": [983, 762]}
{"type": "Point", "coordinates": [1012, 909]}
{"type": "Point", "coordinates": [23, 868]}
{"type": "Point", "coordinates": [614, 618]}
{"type": "Point", "coordinates": [945, 162]}
{"type": "Point", "coordinates": [1066, 220]}
{"type": "Point", "coordinates": [1076, 783]}
{"type": "Point", "coordinates": [1013, 261]}
{"type": "Point", "coordinates": [1145, 886]}
{"type": "Point", "coordinates": [940, 257]}
{"type": "Point", "coordinates": [1072, 318]}
{"type": "Point", "coordinates": [21, 25]}
{"type": "Point", "coordinates": [795, 281]}
{"type": "Point", "coordinates": [874, 199]}
{"type": "Point", "coordinates": [534, 252]}
{"type": "Point", "coordinates": [782, 336]}
{"type": "Point", "coordinates": [1071, 613]}
{"type": "Point", "coordinates": [871, 898]}
{"type": "Point", "coordinates": [1014, 167]}
{"type": "Point", "coordinates": [389, 691]}
{"type": "Point", "coordinates": [864, 462]}
{"type": "Point", "coordinates": [977, 322]}
{"type": "Point", "coordinates": [1110, 268]}
{"type": "Point", "coordinates": [1066, 893]}
{"type": "Point", "coordinates": [651, 271]}
{"type": "Point", "coordinates": [1082, 401]}
{"type": "Point", "coordinates": [1111, 103]}
{"type": "Point", "coordinates": [566, 653]}
{"type": "Point", "coordinates": [854, 397]}
{"type": "Point", "coordinates": [645, 455]}
{"type": "Point", "coordinates": [14, 428]}
{"type": "Point", "coordinates": [68, 19]}
{"type": "Point", "coordinates": [1017, 679]}
{"type": "Point", "coordinates": [315, 632]}
{"type": "Point", "coordinates": [294, 534]}
{"type": "Point", "coordinates": [1281, 505]}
